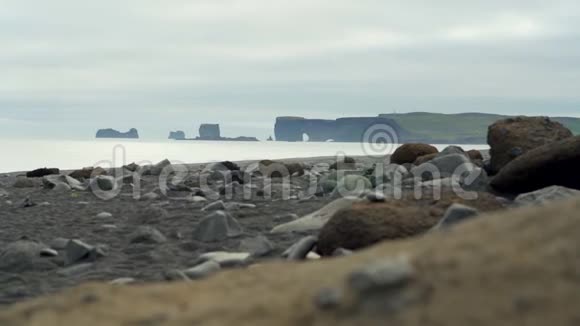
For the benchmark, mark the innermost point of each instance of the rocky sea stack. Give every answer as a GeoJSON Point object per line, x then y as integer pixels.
{"type": "Point", "coordinates": [112, 133]}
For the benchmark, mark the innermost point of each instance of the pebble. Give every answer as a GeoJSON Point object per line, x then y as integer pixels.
{"type": "Point", "coordinates": [23, 182]}
{"type": "Point", "coordinates": [27, 202]}
{"type": "Point", "coordinates": [300, 250]}
{"type": "Point", "coordinates": [376, 197]}
{"type": "Point", "coordinates": [197, 199]}
{"type": "Point", "coordinates": [48, 252]}
{"type": "Point", "coordinates": [147, 234]}
{"type": "Point", "coordinates": [385, 274]}
{"type": "Point", "coordinates": [150, 196]}
{"type": "Point", "coordinates": [215, 206]}
{"type": "Point", "coordinates": [44, 204]}
{"type": "Point", "coordinates": [104, 215]}
{"type": "Point", "coordinates": [123, 281]}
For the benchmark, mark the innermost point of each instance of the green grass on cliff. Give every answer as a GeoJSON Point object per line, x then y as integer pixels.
{"type": "Point", "coordinates": [451, 127]}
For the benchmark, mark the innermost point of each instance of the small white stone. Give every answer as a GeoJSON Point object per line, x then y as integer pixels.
{"type": "Point", "coordinates": [198, 199]}
{"type": "Point", "coordinates": [104, 215]}
{"type": "Point", "coordinates": [123, 281]}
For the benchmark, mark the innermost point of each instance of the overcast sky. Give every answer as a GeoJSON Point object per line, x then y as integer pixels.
{"type": "Point", "coordinates": [69, 67]}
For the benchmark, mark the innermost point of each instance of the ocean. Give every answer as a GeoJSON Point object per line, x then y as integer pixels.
{"type": "Point", "coordinates": [25, 155]}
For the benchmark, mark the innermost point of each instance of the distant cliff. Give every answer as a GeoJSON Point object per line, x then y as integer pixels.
{"type": "Point", "coordinates": [340, 130]}
{"type": "Point", "coordinates": [435, 128]}
{"type": "Point", "coordinates": [112, 133]}
{"type": "Point", "coordinates": [460, 128]}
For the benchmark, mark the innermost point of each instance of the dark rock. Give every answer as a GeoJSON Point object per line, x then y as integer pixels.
{"type": "Point", "coordinates": [39, 173]}
{"type": "Point", "coordinates": [23, 182]}
{"type": "Point", "coordinates": [76, 251]}
{"type": "Point", "coordinates": [27, 202]}
{"type": "Point", "coordinates": [512, 137]}
{"type": "Point", "coordinates": [300, 250]}
{"type": "Point", "coordinates": [343, 163]}
{"type": "Point", "coordinates": [103, 183]}
{"type": "Point", "coordinates": [555, 164]}
{"type": "Point", "coordinates": [455, 214]}
{"type": "Point", "coordinates": [275, 169]}
{"type": "Point", "coordinates": [409, 153]}
{"type": "Point", "coordinates": [217, 227]}
{"type": "Point", "coordinates": [443, 167]}
{"type": "Point", "coordinates": [158, 168]}
{"type": "Point", "coordinates": [24, 255]}
{"type": "Point", "coordinates": [87, 173]}
{"type": "Point", "coordinates": [111, 133]}
{"type": "Point", "coordinates": [258, 247]}
{"type": "Point", "coordinates": [133, 167]}
{"type": "Point", "coordinates": [148, 235]}
{"type": "Point", "coordinates": [177, 135]}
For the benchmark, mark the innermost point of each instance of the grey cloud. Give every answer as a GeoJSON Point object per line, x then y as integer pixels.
{"type": "Point", "coordinates": [159, 64]}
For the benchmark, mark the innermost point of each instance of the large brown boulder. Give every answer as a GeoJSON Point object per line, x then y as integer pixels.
{"type": "Point", "coordinates": [512, 137]}
{"type": "Point", "coordinates": [518, 267]}
{"type": "Point", "coordinates": [556, 164]}
{"type": "Point", "coordinates": [409, 153]}
{"type": "Point", "coordinates": [368, 223]}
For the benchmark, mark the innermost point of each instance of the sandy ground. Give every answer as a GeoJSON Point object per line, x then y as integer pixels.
{"type": "Point", "coordinates": [510, 268]}
{"type": "Point", "coordinates": [73, 215]}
